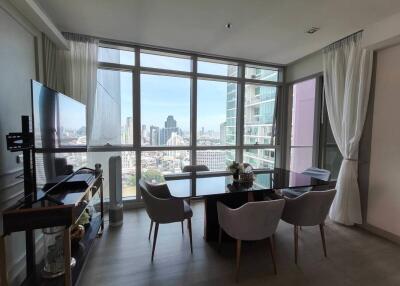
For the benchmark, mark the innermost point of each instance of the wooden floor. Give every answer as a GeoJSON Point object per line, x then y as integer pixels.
{"type": "Point", "coordinates": [355, 257]}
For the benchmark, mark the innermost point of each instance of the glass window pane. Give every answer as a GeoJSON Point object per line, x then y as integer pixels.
{"type": "Point", "coordinates": [113, 116]}
{"type": "Point", "coordinates": [165, 61]}
{"type": "Point", "coordinates": [303, 110]}
{"type": "Point", "coordinates": [261, 73]}
{"type": "Point", "coordinates": [217, 68]}
{"type": "Point", "coordinates": [216, 113]}
{"type": "Point", "coordinates": [301, 158]}
{"type": "Point", "coordinates": [259, 113]}
{"type": "Point", "coordinates": [260, 158]}
{"type": "Point", "coordinates": [156, 164]}
{"type": "Point", "coordinates": [128, 162]}
{"type": "Point", "coordinates": [50, 165]}
{"type": "Point", "coordinates": [165, 110]}
{"type": "Point", "coordinates": [116, 56]}
{"type": "Point", "coordinates": [215, 160]}
{"type": "Point", "coordinates": [333, 160]}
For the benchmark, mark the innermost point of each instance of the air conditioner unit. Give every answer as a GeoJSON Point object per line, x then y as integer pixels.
{"type": "Point", "coordinates": [115, 177]}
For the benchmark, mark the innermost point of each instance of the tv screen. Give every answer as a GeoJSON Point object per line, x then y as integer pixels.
{"type": "Point", "coordinates": [58, 120]}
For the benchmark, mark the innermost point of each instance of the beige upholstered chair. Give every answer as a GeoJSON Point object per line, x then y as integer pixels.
{"type": "Point", "coordinates": [195, 168]}
{"type": "Point", "coordinates": [309, 209]}
{"type": "Point", "coordinates": [252, 221]}
{"type": "Point", "coordinates": [164, 210]}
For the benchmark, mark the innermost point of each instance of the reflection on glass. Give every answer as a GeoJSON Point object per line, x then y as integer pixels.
{"type": "Point", "coordinates": [302, 127]}
{"type": "Point", "coordinates": [333, 160]}
{"type": "Point", "coordinates": [165, 110]}
{"type": "Point", "coordinates": [215, 160]}
{"type": "Point", "coordinates": [216, 122]}
{"type": "Point", "coordinates": [217, 68]}
{"type": "Point", "coordinates": [156, 164]}
{"type": "Point", "coordinates": [165, 61]}
{"type": "Point", "coordinates": [116, 56]}
{"type": "Point", "coordinates": [259, 112]}
{"type": "Point", "coordinates": [261, 73]}
{"type": "Point", "coordinates": [260, 158]}
{"type": "Point", "coordinates": [113, 119]}
{"type": "Point", "coordinates": [51, 167]}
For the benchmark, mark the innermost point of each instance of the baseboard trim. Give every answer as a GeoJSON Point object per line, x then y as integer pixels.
{"type": "Point", "coordinates": [380, 232]}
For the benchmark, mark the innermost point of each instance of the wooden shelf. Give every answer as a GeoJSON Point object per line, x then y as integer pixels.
{"type": "Point", "coordinates": [79, 253]}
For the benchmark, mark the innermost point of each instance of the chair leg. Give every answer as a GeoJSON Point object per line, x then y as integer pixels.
{"type": "Point", "coordinates": [238, 250]}
{"type": "Point", "coordinates": [182, 226]}
{"type": "Point", "coordinates": [219, 238]}
{"type": "Point", "coordinates": [296, 242]}
{"type": "Point", "coordinates": [151, 227]}
{"type": "Point", "coordinates": [271, 249]}
{"type": "Point", "coordinates": [321, 229]}
{"type": "Point", "coordinates": [190, 234]}
{"type": "Point", "coordinates": [154, 241]}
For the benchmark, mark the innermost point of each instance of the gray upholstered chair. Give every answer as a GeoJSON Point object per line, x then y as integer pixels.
{"type": "Point", "coordinates": [195, 168]}
{"type": "Point", "coordinates": [317, 173]}
{"type": "Point", "coordinates": [252, 221]}
{"type": "Point", "coordinates": [165, 210]}
{"type": "Point", "coordinates": [160, 191]}
{"type": "Point", "coordinates": [309, 209]}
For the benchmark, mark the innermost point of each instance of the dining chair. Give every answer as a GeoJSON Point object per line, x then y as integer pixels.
{"type": "Point", "coordinates": [195, 168]}
{"type": "Point", "coordinates": [316, 173]}
{"type": "Point", "coordinates": [165, 210]}
{"type": "Point", "coordinates": [252, 221]}
{"type": "Point", "coordinates": [160, 191]}
{"type": "Point", "coordinates": [309, 209]}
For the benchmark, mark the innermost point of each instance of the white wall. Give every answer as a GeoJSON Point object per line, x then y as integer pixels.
{"type": "Point", "coordinates": [384, 180]}
{"type": "Point", "coordinates": [20, 58]}
{"type": "Point", "coordinates": [304, 67]}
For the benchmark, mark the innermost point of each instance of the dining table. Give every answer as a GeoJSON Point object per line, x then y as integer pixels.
{"type": "Point", "coordinates": [267, 184]}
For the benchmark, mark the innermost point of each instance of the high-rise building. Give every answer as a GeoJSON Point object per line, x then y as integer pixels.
{"type": "Point", "coordinates": [154, 135]}
{"type": "Point", "coordinates": [213, 159]}
{"type": "Point", "coordinates": [170, 126]}
{"type": "Point", "coordinates": [222, 135]}
{"type": "Point", "coordinates": [259, 110]}
{"type": "Point", "coordinates": [128, 138]}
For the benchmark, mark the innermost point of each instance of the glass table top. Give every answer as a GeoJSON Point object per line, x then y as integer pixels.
{"type": "Point", "coordinates": [203, 184]}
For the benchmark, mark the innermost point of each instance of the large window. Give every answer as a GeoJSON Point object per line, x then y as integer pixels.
{"type": "Point", "coordinates": [216, 112]}
{"type": "Point", "coordinates": [165, 110]}
{"type": "Point", "coordinates": [161, 110]}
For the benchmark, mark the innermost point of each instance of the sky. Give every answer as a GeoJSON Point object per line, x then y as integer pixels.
{"type": "Point", "coordinates": [166, 95]}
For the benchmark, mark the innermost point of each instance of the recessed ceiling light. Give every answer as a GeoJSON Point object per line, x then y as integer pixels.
{"type": "Point", "coordinates": [312, 30]}
{"type": "Point", "coordinates": [228, 25]}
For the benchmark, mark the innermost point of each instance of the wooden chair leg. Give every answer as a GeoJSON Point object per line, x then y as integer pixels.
{"type": "Point", "coordinates": [219, 238]}
{"type": "Point", "coordinates": [154, 241]}
{"type": "Point", "coordinates": [271, 249]}
{"type": "Point", "coordinates": [190, 234]}
{"type": "Point", "coordinates": [182, 226]}
{"type": "Point", "coordinates": [321, 229]}
{"type": "Point", "coordinates": [296, 242]}
{"type": "Point", "coordinates": [151, 227]}
{"type": "Point", "coordinates": [238, 250]}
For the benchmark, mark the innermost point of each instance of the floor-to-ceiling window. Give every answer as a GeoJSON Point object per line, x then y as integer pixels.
{"type": "Point", "coordinates": [163, 110]}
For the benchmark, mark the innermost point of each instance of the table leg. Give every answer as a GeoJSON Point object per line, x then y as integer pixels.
{"type": "Point", "coordinates": [67, 257]}
{"type": "Point", "coordinates": [3, 266]}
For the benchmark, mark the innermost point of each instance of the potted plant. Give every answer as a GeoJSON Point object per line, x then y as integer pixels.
{"type": "Point", "coordinates": [235, 169]}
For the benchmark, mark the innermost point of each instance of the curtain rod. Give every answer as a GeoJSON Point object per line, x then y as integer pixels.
{"type": "Point", "coordinates": [344, 38]}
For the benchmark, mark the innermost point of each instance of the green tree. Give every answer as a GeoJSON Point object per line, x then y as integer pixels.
{"type": "Point", "coordinates": [153, 175]}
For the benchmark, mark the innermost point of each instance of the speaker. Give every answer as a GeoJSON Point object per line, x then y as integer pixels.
{"type": "Point", "coordinates": [116, 213]}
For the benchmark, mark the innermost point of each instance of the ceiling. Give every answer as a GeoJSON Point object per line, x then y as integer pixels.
{"type": "Point", "coordinates": [262, 30]}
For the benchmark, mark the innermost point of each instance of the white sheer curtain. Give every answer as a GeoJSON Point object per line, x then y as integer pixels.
{"type": "Point", "coordinates": [347, 77]}
{"type": "Point", "coordinates": [74, 72]}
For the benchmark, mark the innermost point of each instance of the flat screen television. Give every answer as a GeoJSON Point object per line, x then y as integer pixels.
{"type": "Point", "coordinates": [59, 128]}
{"type": "Point", "coordinates": [58, 120]}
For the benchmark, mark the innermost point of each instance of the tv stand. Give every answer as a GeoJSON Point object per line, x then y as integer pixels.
{"type": "Point", "coordinates": [44, 214]}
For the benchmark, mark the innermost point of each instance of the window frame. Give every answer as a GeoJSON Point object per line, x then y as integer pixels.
{"type": "Point", "coordinates": [194, 76]}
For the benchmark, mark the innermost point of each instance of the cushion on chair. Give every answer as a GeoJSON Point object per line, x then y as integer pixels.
{"type": "Point", "coordinates": [188, 213]}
